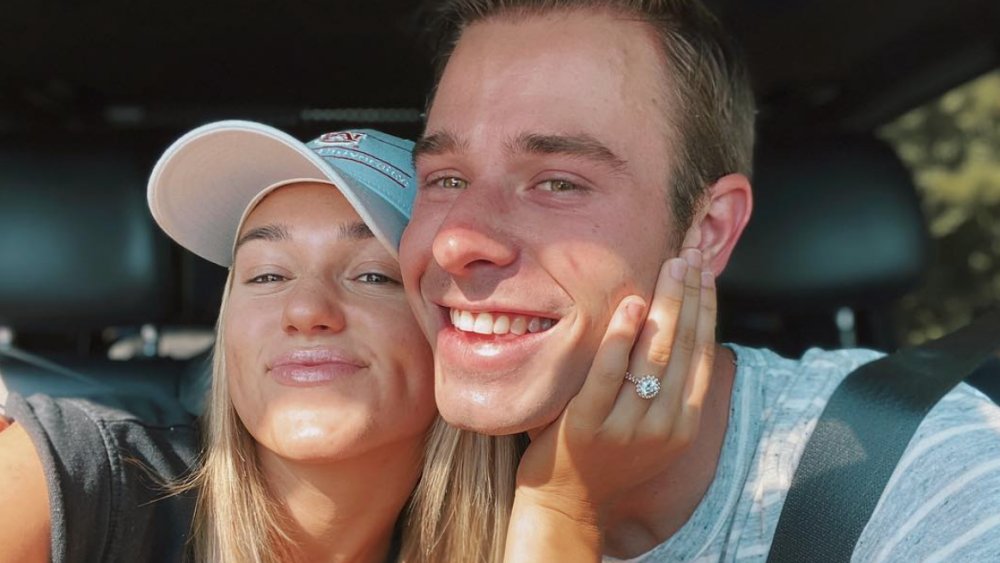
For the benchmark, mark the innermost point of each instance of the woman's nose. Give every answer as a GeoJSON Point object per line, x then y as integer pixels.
{"type": "Point", "coordinates": [313, 308]}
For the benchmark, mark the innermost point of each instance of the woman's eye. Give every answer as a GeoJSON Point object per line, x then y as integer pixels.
{"type": "Point", "coordinates": [558, 186]}
{"type": "Point", "coordinates": [266, 278]}
{"type": "Point", "coordinates": [374, 277]}
{"type": "Point", "coordinates": [451, 182]}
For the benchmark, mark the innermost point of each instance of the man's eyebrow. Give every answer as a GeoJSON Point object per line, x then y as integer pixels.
{"type": "Point", "coordinates": [266, 232]}
{"type": "Point", "coordinates": [357, 230]}
{"type": "Point", "coordinates": [583, 146]}
{"type": "Point", "coordinates": [440, 142]}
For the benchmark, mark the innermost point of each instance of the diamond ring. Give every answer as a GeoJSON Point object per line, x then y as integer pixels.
{"type": "Point", "coordinates": [646, 386]}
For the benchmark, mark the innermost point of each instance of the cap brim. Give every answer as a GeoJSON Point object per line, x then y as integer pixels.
{"type": "Point", "coordinates": [202, 186]}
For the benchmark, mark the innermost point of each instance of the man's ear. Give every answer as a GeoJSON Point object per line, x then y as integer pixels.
{"type": "Point", "coordinates": [720, 220]}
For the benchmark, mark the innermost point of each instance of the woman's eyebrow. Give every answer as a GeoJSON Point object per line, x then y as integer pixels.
{"type": "Point", "coordinates": [265, 232]}
{"type": "Point", "coordinates": [357, 230]}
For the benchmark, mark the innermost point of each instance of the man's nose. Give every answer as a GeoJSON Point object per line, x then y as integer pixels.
{"type": "Point", "coordinates": [471, 235]}
{"type": "Point", "coordinates": [313, 308]}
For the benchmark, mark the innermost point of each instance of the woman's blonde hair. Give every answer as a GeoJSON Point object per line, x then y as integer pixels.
{"type": "Point", "coordinates": [461, 507]}
{"type": "Point", "coordinates": [458, 511]}
{"type": "Point", "coordinates": [236, 517]}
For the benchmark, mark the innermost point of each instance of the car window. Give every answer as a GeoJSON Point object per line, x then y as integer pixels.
{"type": "Point", "coordinates": [952, 147]}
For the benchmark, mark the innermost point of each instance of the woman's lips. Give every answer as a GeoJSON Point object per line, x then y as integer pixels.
{"type": "Point", "coordinates": [308, 367]}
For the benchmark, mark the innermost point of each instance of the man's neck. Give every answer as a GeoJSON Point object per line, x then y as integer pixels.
{"type": "Point", "coordinates": [345, 510]}
{"type": "Point", "coordinates": [655, 510]}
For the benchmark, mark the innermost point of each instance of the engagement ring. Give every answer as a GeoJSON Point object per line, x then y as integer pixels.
{"type": "Point", "coordinates": [646, 386]}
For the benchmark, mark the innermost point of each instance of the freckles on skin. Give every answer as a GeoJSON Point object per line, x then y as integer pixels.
{"type": "Point", "coordinates": [388, 400]}
{"type": "Point", "coordinates": [628, 61]}
{"type": "Point", "coordinates": [564, 74]}
{"type": "Point", "coordinates": [541, 77]}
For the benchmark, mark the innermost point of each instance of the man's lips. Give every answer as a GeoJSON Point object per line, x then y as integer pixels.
{"type": "Point", "coordinates": [485, 344]}
{"type": "Point", "coordinates": [307, 367]}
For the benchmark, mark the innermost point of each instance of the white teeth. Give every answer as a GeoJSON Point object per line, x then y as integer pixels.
{"type": "Point", "coordinates": [498, 323]}
{"type": "Point", "coordinates": [501, 325]}
{"type": "Point", "coordinates": [484, 324]}
{"type": "Point", "coordinates": [465, 322]}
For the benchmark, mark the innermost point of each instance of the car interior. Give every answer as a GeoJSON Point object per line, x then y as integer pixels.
{"type": "Point", "coordinates": [96, 302]}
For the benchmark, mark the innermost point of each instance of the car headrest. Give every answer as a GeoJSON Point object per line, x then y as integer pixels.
{"type": "Point", "coordinates": [835, 223]}
{"type": "Point", "coordinates": [78, 247]}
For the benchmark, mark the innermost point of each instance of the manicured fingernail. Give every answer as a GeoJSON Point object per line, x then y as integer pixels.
{"type": "Point", "coordinates": [693, 257]}
{"type": "Point", "coordinates": [707, 279]}
{"type": "Point", "coordinates": [678, 269]}
{"type": "Point", "coordinates": [634, 309]}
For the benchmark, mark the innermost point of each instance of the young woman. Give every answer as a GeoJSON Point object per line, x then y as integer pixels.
{"type": "Point", "coordinates": [316, 440]}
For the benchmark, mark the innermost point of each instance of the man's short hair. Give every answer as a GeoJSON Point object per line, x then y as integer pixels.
{"type": "Point", "coordinates": [712, 117]}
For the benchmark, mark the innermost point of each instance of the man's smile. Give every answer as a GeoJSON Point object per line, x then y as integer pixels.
{"type": "Point", "coordinates": [498, 323]}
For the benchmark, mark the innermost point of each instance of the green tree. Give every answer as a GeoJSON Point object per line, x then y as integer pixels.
{"type": "Point", "coordinates": [952, 146]}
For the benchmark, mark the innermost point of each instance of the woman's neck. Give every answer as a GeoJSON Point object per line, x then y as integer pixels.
{"type": "Point", "coordinates": [345, 510]}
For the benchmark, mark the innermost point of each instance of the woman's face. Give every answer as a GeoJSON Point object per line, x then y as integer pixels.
{"type": "Point", "coordinates": [325, 360]}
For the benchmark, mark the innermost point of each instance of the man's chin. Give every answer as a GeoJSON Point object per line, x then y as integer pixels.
{"type": "Point", "coordinates": [495, 420]}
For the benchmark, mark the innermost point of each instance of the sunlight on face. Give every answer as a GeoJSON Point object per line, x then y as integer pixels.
{"type": "Point", "coordinates": [542, 204]}
{"type": "Point", "coordinates": [325, 360]}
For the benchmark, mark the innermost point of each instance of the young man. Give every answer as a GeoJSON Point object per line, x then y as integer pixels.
{"type": "Point", "coordinates": [571, 148]}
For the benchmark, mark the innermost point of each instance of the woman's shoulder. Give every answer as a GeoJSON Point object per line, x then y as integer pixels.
{"type": "Point", "coordinates": [111, 468]}
{"type": "Point", "coordinates": [133, 425]}
{"type": "Point", "coordinates": [109, 409]}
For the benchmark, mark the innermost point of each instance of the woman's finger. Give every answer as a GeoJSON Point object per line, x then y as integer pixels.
{"type": "Point", "coordinates": [665, 407]}
{"type": "Point", "coordinates": [697, 387]}
{"type": "Point", "coordinates": [651, 353]}
{"type": "Point", "coordinates": [594, 401]}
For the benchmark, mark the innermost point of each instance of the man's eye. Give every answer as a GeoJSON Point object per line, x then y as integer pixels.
{"type": "Point", "coordinates": [452, 182]}
{"type": "Point", "coordinates": [266, 278]}
{"type": "Point", "coordinates": [558, 186]}
{"type": "Point", "coordinates": [374, 277]}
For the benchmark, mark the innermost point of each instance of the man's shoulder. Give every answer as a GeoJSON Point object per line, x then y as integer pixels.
{"type": "Point", "coordinates": [942, 502]}
{"type": "Point", "coordinates": [817, 373]}
{"type": "Point", "coordinates": [798, 385]}
{"type": "Point", "coordinates": [813, 361]}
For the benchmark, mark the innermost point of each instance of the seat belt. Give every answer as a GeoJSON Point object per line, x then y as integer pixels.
{"type": "Point", "coordinates": [863, 431]}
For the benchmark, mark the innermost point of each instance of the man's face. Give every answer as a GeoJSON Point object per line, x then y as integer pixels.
{"type": "Point", "coordinates": [543, 203]}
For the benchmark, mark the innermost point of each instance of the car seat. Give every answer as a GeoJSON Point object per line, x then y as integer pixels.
{"type": "Point", "coordinates": [84, 264]}
{"type": "Point", "coordinates": [836, 239]}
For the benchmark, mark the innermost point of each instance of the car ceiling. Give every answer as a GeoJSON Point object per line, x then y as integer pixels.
{"type": "Point", "coordinates": [105, 68]}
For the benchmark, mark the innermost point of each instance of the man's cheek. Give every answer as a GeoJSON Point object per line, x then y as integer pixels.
{"type": "Point", "coordinates": [587, 265]}
{"type": "Point", "coordinates": [422, 312]}
{"type": "Point", "coordinates": [410, 254]}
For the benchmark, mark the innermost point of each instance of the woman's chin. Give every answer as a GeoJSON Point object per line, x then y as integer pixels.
{"type": "Point", "coordinates": [320, 445]}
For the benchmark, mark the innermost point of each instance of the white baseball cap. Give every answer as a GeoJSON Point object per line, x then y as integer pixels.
{"type": "Point", "coordinates": [209, 180]}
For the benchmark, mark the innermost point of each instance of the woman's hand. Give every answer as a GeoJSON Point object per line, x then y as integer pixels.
{"type": "Point", "coordinates": [609, 439]}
